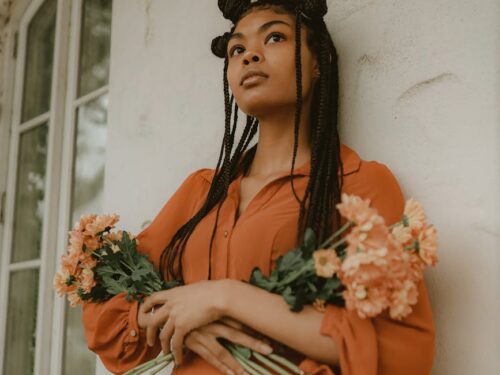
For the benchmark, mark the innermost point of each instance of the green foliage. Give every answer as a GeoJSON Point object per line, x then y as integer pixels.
{"type": "Point", "coordinates": [125, 271]}
{"type": "Point", "coordinates": [295, 279]}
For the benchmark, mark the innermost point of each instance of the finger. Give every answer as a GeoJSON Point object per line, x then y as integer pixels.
{"type": "Point", "coordinates": [242, 338]}
{"type": "Point", "coordinates": [232, 323]}
{"type": "Point", "coordinates": [157, 298]}
{"type": "Point", "coordinates": [224, 356]}
{"type": "Point", "coordinates": [165, 334]}
{"type": "Point", "coordinates": [151, 333]}
{"type": "Point", "coordinates": [176, 343]}
{"type": "Point", "coordinates": [204, 353]}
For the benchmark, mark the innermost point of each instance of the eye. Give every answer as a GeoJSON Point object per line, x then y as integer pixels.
{"type": "Point", "coordinates": [234, 49]}
{"type": "Point", "coordinates": [272, 35]}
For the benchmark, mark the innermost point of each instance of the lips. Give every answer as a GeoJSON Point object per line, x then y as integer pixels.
{"type": "Point", "coordinates": [252, 73]}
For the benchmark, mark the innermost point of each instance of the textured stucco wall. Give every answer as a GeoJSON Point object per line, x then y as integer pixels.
{"type": "Point", "coordinates": [420, 85]}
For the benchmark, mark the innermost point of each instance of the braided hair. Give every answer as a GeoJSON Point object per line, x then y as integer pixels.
{"type": "Point", "coordinates": [325, 181]}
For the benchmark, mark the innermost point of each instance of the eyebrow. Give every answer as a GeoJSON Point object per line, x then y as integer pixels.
{"type": "Point", "coordinates": [262, 28]}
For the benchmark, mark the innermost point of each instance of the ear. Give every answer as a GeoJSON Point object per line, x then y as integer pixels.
{"type": "Point", "coordinates": [316, 69]}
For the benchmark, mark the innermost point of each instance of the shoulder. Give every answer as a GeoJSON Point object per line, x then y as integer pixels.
{"type": "Point", "coordinates": [376, 181]}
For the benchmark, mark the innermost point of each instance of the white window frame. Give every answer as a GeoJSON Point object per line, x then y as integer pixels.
{"type": "Point", "coordinates": [72, 103]}
{"type": "Point", "coordinates": [61, 131]}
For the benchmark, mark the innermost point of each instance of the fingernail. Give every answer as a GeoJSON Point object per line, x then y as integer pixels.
{"type": "Point", "coordinates": [266, 349]}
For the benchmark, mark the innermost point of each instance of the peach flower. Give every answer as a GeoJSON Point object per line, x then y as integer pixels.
{"type": "Point", "coordinates": [319, 305]}
{"type": "Point", "coordinates": [74, 299]}
{"type": "Point", "coordinates": [84, 220]}
{"type": "Point", "coordinates": [372, 234]}
{"type": "Point", "coordinates": [87, 281]}
{"type": "Point", "coordinates": [414, 214]}
{"type": "Point", "coordinates": [402, 234]}
{"type": "Point", "coordinates": [355, 209]}
{"type": "Point", "coordinates": [62, 283]}
{"type": "Point", "coordinates": [427, 244]}
{"type": "Point", "coordinates": [402, 299]}
{"type": "Point", "coordinates": [100, 223]}
{"type": "Point", "coordinates": [326, 262]}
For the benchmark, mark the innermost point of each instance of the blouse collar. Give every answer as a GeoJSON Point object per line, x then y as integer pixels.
{"type": "Point", "coordinates": [350, 158]}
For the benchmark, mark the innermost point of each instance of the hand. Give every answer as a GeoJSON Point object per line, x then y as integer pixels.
{"type": "Point", "coordinates": [180, 310]}
{"type": "Point", "coordinates": [203, 341]}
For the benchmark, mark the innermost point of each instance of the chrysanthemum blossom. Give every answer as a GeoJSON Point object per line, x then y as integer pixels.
{"type": "Point", "coordinates": [319, 305]}
{"type": "Point", "coordinates": [415, 215]}
{"type": "Point", "coordinates": [87, 281]}
{"type": "Point", "coordinates": [74, 299]}
{"type": "Point", "coordinates": [428, 244]}
{"type": "Point", "coordinates": [372, 234]}
{"type": "Point", "coordinates": [355, 209]}
{"type": "Point", "coordinates": [402, 300]}
{"type": "Point", "coordinates": [100, 223]}
{"type": "Point", "coordinates": [326, 262]}
{"type": "Point", "coordinates": [62, 284]}
{"type": "Point", "coordinates": [402, 234]}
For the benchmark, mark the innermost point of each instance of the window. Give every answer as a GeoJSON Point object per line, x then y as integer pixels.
{"type": "Point", "coordinates": [56, 173]}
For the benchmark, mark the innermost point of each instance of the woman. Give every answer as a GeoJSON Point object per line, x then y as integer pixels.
{"type": "Point", "coordinates": [223, 222]}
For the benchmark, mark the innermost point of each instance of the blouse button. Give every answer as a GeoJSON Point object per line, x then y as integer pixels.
{"type": "Point", "coordinates": [133, 333]}
{"type": "Point", "coordinates": [225, 233]}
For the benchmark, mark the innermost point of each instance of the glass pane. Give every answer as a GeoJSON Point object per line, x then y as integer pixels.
{"type": "Point", "coordinates": [39, 58]}
{"type": "Point", "coordinates": [30, 194]}
{"type": "Point", "coordinates": [94, 45]}
{"type": "Point", "coordinates": [89, 158]}
{"type": "Point", "coordinates": [87, 197]}
{"type": "Point", "coordinates": [21, 323]}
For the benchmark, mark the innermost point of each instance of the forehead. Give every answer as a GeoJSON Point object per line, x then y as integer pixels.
{"type": "Point", "coordinates": [257, 17]}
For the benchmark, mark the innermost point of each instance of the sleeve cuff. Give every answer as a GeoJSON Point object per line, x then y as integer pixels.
{"type": "Point", "coordinates": [132, 329]}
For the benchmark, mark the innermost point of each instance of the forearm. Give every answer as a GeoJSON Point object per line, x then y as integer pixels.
{"type": "Point", "coordinates": [269, 314]}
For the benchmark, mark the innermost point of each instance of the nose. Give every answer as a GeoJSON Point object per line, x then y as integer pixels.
{"type": "Point", "coordinates": [251, 56]}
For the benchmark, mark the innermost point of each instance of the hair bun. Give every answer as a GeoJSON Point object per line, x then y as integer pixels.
{"type": "Point", "coordinates": [219, 44]}
{"type": "Point", "coordinates": [313, 8]}
{"type": "Point", "coordinates": [232, 9]}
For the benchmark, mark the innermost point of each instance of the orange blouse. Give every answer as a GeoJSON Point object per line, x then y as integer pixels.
{"type": "Point", "coordinates": [266, 230]}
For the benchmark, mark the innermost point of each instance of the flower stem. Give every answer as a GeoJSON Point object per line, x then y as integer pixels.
{"type": "Point", "coordinates": [285, 362]}
{"type": "Point", "coordinates": [344, 227]}
{"type": "Point", "coordinates": [254, 366]}
{"type": "Point", "coordinates": [270, 363]}
{"type": "Point", "coordinates": [150, 364]}
{"type": "Point", "coordinates": [308, 266]}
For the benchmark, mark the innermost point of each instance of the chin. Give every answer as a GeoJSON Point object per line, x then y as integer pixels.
{"type": "Point", "coordinates": [259, 105]}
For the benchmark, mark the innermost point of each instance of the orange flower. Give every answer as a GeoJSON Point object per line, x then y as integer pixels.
{"type": "Point", "coordinates": [326, 262]}
{"type": "Point", "coordinates": [319, 305]}
{"type": "Point", "coordinates": [427, 243]}
{"type": "Point", "coordinates": [87, 281]}
{"type": "Point", "coordinates": [92, 243]}
{"type": "Point", "coordinates": [62, 283]}
{"type": "Point", "coordinates": [84, 220]}
{"type": "Point", "coordinates": [402, 234]}
{"type": "Point", "coordinates": [76, 239]}
{"type": "Point", "coordinates": [415, 215]}
{"type": "Point", "coordinates": [372, 234]}
{"type": "Point", "coordinates": [402, 299]}
{"type": "Point", "coordinates": [100, 223]}
{"type": "Point", "coordinates": [353, 208]}
{"type": "Point", "coordinates": [74, 299]}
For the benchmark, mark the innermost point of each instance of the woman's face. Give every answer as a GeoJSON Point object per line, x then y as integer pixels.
{"type": "Point", "coordinates": [264, 41]}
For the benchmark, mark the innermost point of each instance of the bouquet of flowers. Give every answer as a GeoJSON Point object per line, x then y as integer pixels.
{"type": "Point", "coordinates": [364, 266]}
{"type": "Point", "coordinates": [100, 263]}
{"type": "Point", "coordinates": [368, 269]}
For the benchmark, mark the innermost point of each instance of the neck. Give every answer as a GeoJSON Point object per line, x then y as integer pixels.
{"type": "Point", "coordinates": [276, 139]}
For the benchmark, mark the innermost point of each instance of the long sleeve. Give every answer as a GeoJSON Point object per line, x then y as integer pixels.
{"type": "Point", "coordinates": [380, 345]}
{"type": "Point", "coordinates": [111, 327]}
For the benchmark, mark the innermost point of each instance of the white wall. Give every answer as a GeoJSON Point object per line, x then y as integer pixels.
{"type": "Point", "coordinates": [420, 92]}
